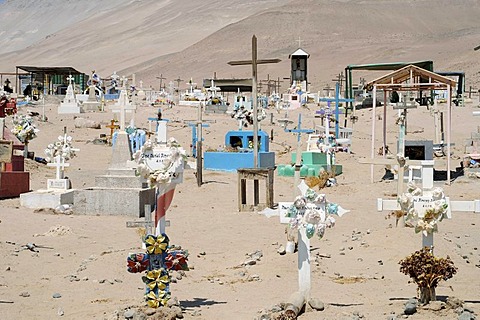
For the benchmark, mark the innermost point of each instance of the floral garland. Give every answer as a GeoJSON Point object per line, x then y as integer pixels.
{"type": "Point", "coordinates": [24, 129]}
{"type": "Point", "coordinates": [171, 166]}
{"type": "Point", "coordinates": [63, 148]}
{"type": "Point", "coordinates": [432, 216]}
{"type": "Point", "coordinates": [313, 212]}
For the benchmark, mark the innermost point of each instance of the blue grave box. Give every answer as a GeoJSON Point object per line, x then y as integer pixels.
{"type": "Point", "coordinates": [239, 152]}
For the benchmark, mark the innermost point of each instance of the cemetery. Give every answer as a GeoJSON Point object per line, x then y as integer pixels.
{"type": "Point", "coordinates": [261, 192]}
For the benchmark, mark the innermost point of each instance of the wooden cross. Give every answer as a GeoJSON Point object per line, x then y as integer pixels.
{"type": "Point", "coordinates": [70, 79]}
{"type": "Point", "coordinates": [254, 62]}
{"type": "Point", "coordinates": [337, 101]}
{"type": "Point", "coordinates": [192, 84]}
{"type": "Point", "coordinates": [112, 127]}
{"type": "Point", "coordinates": [161, 78]}
{"type": "Point", "coordinates": [328, 89]}
{"type": "Point", "coordinates": [178, 80]}
{"type": "Point", "coordinates": [339, 79]}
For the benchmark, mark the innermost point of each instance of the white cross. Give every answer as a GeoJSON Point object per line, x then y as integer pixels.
{"type": "Point", "coordinates": [124, 82]}
{"type": "Point", "coordinates": [60, 165]}
{"type": "Point", "coordinates": [70, 79]}
{"type": "Point", "coordinates": [123, 106]}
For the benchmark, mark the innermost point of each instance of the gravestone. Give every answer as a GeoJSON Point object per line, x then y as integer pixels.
{"type": "Point", "coordinates": [92, 103]}
{"type": "Point", "coordinates": [58, 190]}
{"type": "Point", "coordinates": [70, 103]}
{"type": "Point", "coordinates": [14, 180]}
{"type": "Point", "coordinates": [120, 191]}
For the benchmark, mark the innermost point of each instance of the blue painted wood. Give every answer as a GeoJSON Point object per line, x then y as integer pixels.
{"type": "Point", "coordinates": [337, 101]}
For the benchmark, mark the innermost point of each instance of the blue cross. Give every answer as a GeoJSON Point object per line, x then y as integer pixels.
{"type": "Point", "coordinates": [156, 119]}
{"type": "Point", "coordinates": [194, 137]}
{"type": "Point", "coordinates": [337, 101]}
{"type": "Point", "coordinates": [299, 129]}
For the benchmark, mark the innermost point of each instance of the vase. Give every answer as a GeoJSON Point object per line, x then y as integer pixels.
{"type": "Point", "coordinates": [427, 294]}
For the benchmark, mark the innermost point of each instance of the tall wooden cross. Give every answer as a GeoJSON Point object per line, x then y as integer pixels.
{"type": "Point", "coordinates": [254, 62]}
{"type": "Point", "coordinates": [337, 101]}
{"type": "Point", "coordinates": [161, 78]}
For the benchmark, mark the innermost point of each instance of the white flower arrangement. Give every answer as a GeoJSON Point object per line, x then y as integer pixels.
{"type": "Point", "coordinates": [169, 168]}
{"type": "Point", "coordinates": [24, 129]}
{"type": "Point", "coordinates": [63, 148]}
{"type": "Point", "coordinates": [428, 223]}
{"type": "Point", "coordinates": [313, 212]}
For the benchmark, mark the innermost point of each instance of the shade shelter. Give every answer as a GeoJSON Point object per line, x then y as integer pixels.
{"type": "Point", "coordinates": [50, 77]}
{"type": "Point", "coordinates": [411, 78]}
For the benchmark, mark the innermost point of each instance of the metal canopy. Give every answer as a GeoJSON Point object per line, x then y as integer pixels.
{"type": "Point", "coordinates": [49, 70]}
{"type": "Point", "coordinates": [425, 64]}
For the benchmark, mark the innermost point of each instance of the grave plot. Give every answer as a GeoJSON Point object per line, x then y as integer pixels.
{"type": "Point", "coordinates": [58, 190]}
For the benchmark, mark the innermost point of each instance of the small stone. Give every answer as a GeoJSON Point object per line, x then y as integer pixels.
{"type": "Point", "coordinates": [196, 313]}
{"type": "Point", "coordinates": [316, 304]}
{"type": "Point", "coordinates": [342, 253]}
{"type": "Point", "coordinates": [281, 251]}
{"type": "Point", "coordinates": [466, 316]}
{"type": "Point", "coordinates": [85, 279]}
{"type": "Point", "coordinates": [102, 281]}
{"type": "Point", "coordinates": [391, 317]}
{"type": "Point", "coordinates": [7, 269]}
{"type": "Point", "coordinates": [56, 254]}
{"type": "Point", "coordinates": [369, 231]}
{"type": "Point", "coordinates": [276, 308]}
{"type": "Point", "coordinates": [150, 311]}
{"type": "Point", "coordinates": [380, 262]}
{"type": "Point", "coordinates": [410, 308]}
{"type": "Point", "coordinates": [250, 262]}
{"type": "Point", "coordinates": [173, 302]}
{"type": "Point", "coordinates": [129, 314]}
{"type": "Point", "coordinates": [342, 249]}
{"type": "Point", "coordinates": [359, 259]}
{"type": "Point", "coordinates": [220, 282]}
{"type": "Point", "coordinates": [56, 295]}
{"type": "Point", "coordinates": [350, 248]}
{"type": "Point", "coordinates": [202, 253]}
{"type": "Point", "coordinates": [117, 280]}
{"type": "Point", "coordinates": [178, 276]}
{"type": "Point", "coordinates": [60, 312]}
{"type": "Point", "coordinates": [24, 294]}
{"type": "Point", "coordinates": [178, 311]}
{"type": "Point", "coordinates": [435, 306]}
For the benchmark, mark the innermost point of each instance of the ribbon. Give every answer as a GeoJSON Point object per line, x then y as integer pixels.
{"type": "Point", "coordinates": [164, 199]}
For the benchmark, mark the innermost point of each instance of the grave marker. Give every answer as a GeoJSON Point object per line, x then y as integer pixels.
{"type": "Point", "coordinates": [311, 214]}
{"type": "Point", "coordinates": [254, 62]}
{"type": "Point", "coordinates": [337, 101]}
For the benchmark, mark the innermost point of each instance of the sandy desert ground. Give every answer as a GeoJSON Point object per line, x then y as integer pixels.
{"type": "Point", "coordinates": [87, 265]}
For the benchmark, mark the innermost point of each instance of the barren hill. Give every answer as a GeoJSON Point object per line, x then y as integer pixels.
{"type": "Point", "coordinates": [196, 39]}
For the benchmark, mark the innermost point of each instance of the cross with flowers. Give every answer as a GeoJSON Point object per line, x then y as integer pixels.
{"type": "Point", "coordinates": [163, 166]}
{"type": "Point", "coordinates": [424, 210]}
{"type": "Point", "coordinates": [309, 214]}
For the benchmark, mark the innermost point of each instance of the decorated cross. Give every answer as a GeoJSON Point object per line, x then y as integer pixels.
{"type": "Point", "coordinates": [310, 214]}
{"type": "Point", "coordinates": [337, 101]}
{"type": "Point", "coordinates": [162, 164]}
{"type": "Point", "coordinates": [57, 154]}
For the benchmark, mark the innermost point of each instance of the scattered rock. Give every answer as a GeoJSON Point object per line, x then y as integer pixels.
{"type": "Point", "coordinates": [196, 313]}
{"type": "Point", "coordinates": [257, 255]}
{"type": "Point", "coordinates": [466, 316]}
{"type": "Point", "coordinates": [150, 311]}
{"type": "Point", "coordinates": [56, 295]}
{"type": "Point", "coordinates": [178, 312]}
{"type": "Point", "coordinates": [60, 312]}
{"type": "Point", "coordinates": [129, 314]}
{"type": "Point", "coordinates": [86, 123]}
{"type": "Point", "coordinates": [454, 303]}
{"type": "Point", "coordinates": [316, 304]}
{"type": "Point", "coordinates": [410, 308]}
{"type": "Point", "coordinates": [435, 306]}
{"type": "Point", "coordinates": [250, 262]}
{"type": "Point", "coordinates": [281, 251]}
{"type": "Point", "coordinates": [173, 302]}
{"type": "Point", "coordinates": [24, 294]}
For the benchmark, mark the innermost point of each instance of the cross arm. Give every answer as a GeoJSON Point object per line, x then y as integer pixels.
{"type": "Point", "coordinates": [247, 62]}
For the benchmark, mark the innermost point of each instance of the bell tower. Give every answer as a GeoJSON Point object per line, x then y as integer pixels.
{"type": "Point", "coordinates": [298, 76]}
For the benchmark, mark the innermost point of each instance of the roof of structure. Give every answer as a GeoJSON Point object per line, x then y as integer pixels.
{"type": "Point", "coordinates": [299, 52]}
{"type": "Point", "coordinates": [49, 70]}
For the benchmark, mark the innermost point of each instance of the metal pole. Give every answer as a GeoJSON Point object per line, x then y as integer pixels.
{"type": "Point", "coordinates": [255, 102]}
{"type": "Point", "coordinates": [199, 147]}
